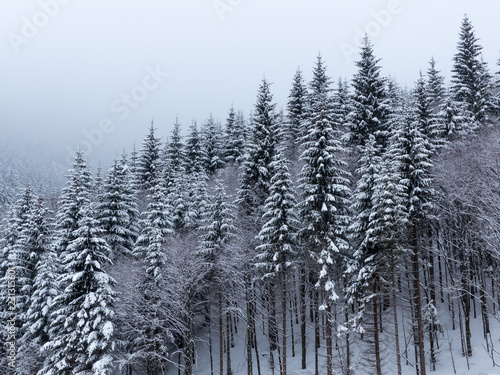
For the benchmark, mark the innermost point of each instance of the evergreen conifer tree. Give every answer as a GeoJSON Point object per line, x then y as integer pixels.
{"type": "Point", "coordinates": [149, 164]}
{"type": "Point", "coordinates": [324, 186]}
{"type": "Point", "coordinates": [261, 147]}
{"type": "Point", "coordinates": [296, 114]}
{"type": "Point", "coordinates": [81, 334]}
{"type": "Point", "coordinates": [470, 79]}
{"type": "Point", "coordinates": [370, 109]}
{"type": "Point", "coordinates": [194, 152]}
{"type": "Point", "coordinates": [75, 195]}
{"type": "Point", "coordinates": [175, 152]}
{"type": "Point", "coordinates": [10, 235]}
{"type": "Point", "coordinates": [212, 146]}
{"type": "Point", "coordinates": [117, 210]}
{"type": "Point", "coordinates": [39, 270]}
{"type": "Point", "coordinates": [156, 225]}
{"type": "Point", "coordinates": [413, 152]}
{"type": "Point", "coordinates": [435, 86]}
{"type": "Point", "coordinates": [277, 250]}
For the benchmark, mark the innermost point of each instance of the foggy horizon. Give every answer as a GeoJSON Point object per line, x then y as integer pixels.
{"type": "Point", "coordinates": [68, 68]}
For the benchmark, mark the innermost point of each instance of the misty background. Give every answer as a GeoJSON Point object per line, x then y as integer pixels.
{"type": "Point", "coordinates": [99, 72]}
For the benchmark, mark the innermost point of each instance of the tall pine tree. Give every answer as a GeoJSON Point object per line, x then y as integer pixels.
{"type": "Point", "coordinates": [325, 192]}
{"type": "Point", "coordinates": [470, 80]}
{"type": "Point", "coordinates": [261, 147]}
{"type": "Point", "coordinates": [370, 109]}
{"type": "Point", "coordinates": [81, 334]}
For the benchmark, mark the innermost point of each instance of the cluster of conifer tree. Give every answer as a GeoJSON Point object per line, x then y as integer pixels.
{"type": "Point", "coordinates": [340, 229]}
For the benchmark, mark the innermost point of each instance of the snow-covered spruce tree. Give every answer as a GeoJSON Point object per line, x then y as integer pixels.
{"type": "Point", "coordinates": [261, 147]}
{"type": "Point", "coordinates": [82, 330]}
{"type": "Point", "coordinates": [396, 97]}
{"type": "Point", "coordinates": [180, 185]}
{"type": "Point", "coordinates": [379, 217]}
{"type": "Point", "coordinates": [368, 171]}
{"type": "Point", "coordinates": [181, 199]}
{"type": "Point", "coordinates": [14, 222]}
{"type": "Point", "coordinates": [33, 241]}
{"type": "Point", "coordinates": [194, 152]}
{"type": "Point", "coordinates": [234, 137]}
{"type": "Point", "coordinates": [228, 136]}
{"type": "Point", "coordinates": [129, 196]}
{"type": "Point", "coordinates": [435, 86]}
{"type": "Point", "coordinates": [218, 230]}
{"type": "Point", "coordinates": [342, 104]}
{"type": "Point", "coordinates": [389, 218]}
{"type": "Point", "coordinates": [12, 225]}
{"type": "Point", "coordinates": [413, 151]}
{"type": "Point", "coordinates": [453, 122]}
{"type": "Point", "coordinates": [198, 197]}
{"type": "Point", "coordinates": [471, 82]}
{"type": "Point", "coordinates": [324, 186]}
{"type": "Point", "coordinates": [423, 110]}
{"type": "Point", "coordinates": [370, 107]}
{"type": "Point", "coordinates": [133, 165]}
{"type": "Point", "coordinates": [187, 199]}
{"type": "Point", "coordinates": [98, 181]}
{"type": "Point", "coordinates": [368, 257]}
{"type": "Point", "coordinates": [38, 288]}
{"type": "Point", "coordinates": [293, 128]}
{"type": "Point", "coordinates": [147, 334]}
{"type": "Point", "coordinates": [75, 195]}
{"type": "Point", "coordinates": [255, 179]}
{"type": "Point", "coordinates": [241, 131]}
{"type": "Point", "coordinates": [278, 234]}
{"type": "Point", "coordinates": [213, 158]}
{"type": "Point", "coordinates": [149, 164]}
{"type": "Point", "coordinates": [117, 210]}
{"type": "Point", "coordinates": [175, 150]}
{"type": "Point", "coordinates": [277, 252]}
{"type": "Point", "coordinates": [156, 225]}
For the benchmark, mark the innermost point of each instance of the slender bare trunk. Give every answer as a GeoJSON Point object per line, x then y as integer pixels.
{"type": "Point", "coordinates": [316, 334]}
{"type": "Point", "coordinates": [303, 316]}
{"type": "Point", "coordinates": [284, 307]}
{"type": "Point", "coordinates": [329, 341]}
{"type": "Point", "coordinates": [417, 300]}
{"type": "Point", "coordinates": [395, 313]}
{"type": "Point", "coordinates": [221, 334]}
{"type": "Point", "coordinates": [228, 341]}
{"type": "Point", "coordinates": [249, 326]}
{"type": "Point", "coordinates": [378, 364]}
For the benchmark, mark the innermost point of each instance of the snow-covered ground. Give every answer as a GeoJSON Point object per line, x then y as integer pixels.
{"type": "Point", "coordinates": [480, 363]}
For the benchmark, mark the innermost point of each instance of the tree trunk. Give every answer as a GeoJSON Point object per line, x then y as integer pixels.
{"type": "Point", "coordinates": [417, 300]}
{"type": "Point", "coordinates": [378, 364]}
{"type": "Point", "coordinates": [284, 307]}
{"type": "Point", "coordinates": [272, 324]}
{"type": "Point", "coordinates": [249, 326]}
{"type": "Point", "coordinates": [188, 348]}
{"type": "Point", "coordinates": [228, 340]}
{"type": "Point", "coordinates": [221, 334]}
{"type": "Point", "coordinates": [210, 343]}
{"type": "Point", "coordinates": [255, 339]}
{"type": "Point", "coordinates": [347, 338]}
{"type": "Point", "coordinates": [316, 334]}
{"type": "Point", "coordinates": [292, 331]}
{"type": "Point", "coordinates": [395, 313]}
{"type": "Point", "coordinates": [303, 316]}
{"type": "Point", "coordinates": [329, 341]}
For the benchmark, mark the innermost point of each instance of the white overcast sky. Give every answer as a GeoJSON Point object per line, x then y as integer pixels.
{"type": "Point", "coordinates": [63, 73]}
